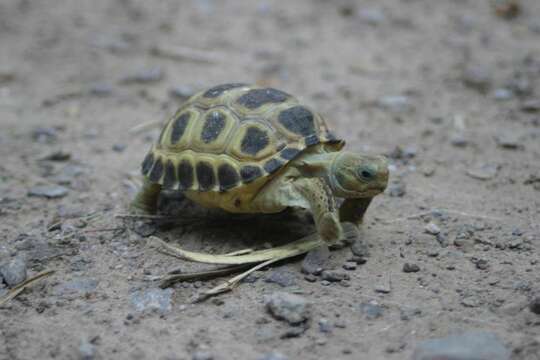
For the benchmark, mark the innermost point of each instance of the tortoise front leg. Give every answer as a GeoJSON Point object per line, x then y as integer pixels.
{"type": "Point", "coordinates": [353, 210]}
{"type": "Point", "coordinates": [322, 204]}
{"type": "Point", "coordinates": [146, 199]}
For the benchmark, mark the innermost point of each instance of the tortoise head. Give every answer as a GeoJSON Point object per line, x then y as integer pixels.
{"type": "Point", "coordinates": [358, 176]}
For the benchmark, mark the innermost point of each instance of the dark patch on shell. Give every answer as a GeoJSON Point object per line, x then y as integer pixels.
{"type": "Point", "coordinates": [249, 173]}
{"type": "Point", "coordinates": [147, 163]}
{"type": "Point", "coordinates": [254, 141]}
{"type": "Point", "coordinates": [213, 126]}
{"type": "Point", "coordinates": [227, 177]}
{"type": "Point", "coordinates": [289, 153]}
{"type": "Point", "coordinates": [312, 140]}
{"type": "Point", "coordinates": [205, 176]}
{"type": "Point", "coordinates": [298, 120]}
{"type": "Point", "coordinates": [220, 89]}
{"type": "Point", "coordinates": [179, 126]}
{"type": "Point", "coordinates": [185, 175]}
{"type": "Point", "coordinates": [273, 165]}
{"type": "Point", "coordinates": [257, 97]}
{"type": "Point", "coordinates": [170, 175]}
{"type": "Point", "coordinates": [157, 171]}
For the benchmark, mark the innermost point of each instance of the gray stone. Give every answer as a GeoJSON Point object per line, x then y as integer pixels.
{"type": "Point", "coordinates": [371, 311]}
{"type": "Point", "coordinates": [410, 268]}
{"type": "Point", "coordinates": [372, 16]}
{"type": "Point", "coordinates": [473, 345]}
{"type": "Point", "coordinates": [315, 260]}
{"type": "Point", "coordinates": [503, 94]}
{"type": "Point", "coordinates": [477, 77]}
{"type": "Point", "coordinates": [152, 300]}
{"type": "Point", "coordinates": [360, 248]}
{"type": "Point", "coordinates": [395, 103]}
{"type": "Point", "coordinates": [325, 326]}
{"type": "Point", "coordinates": [432, 228]}
{"type": "Point", "coordinates": [48, 191]}
{"type": "Point", "coordinates": [76, 288]}
{"type": "Point", "coordinates": [202, 355]}
{"type": "Point", "coordinates": [182, 92]}
{"type": "Point", "coordinates": [350, 265]}
{"type": "Point", "coordinates": [334, 275]}
{"type": "Point", "coordinates": [532, 105]}
{"type": "Point", "coordinates": [483, 171]}
{"type": "Point", "coordinates": [101, 89]}
{"type": "Point", "coordinates": [87, 351]}
{"type": "Point", "coordinates": [274, 355]}
{"type": "Point", "coordinates": [283, 278]}
{"type": "Point", "coordinates": [14, 271]}
{"type": "Point", "coordinates": [397, 189]}
{"type": "Point", "coordinates": [509, 140]}
{"type": "Point", "coordinates": [143, 76]}
{"type": "Point", "coordinates": [534, 305]}
{"type": "Point", "coordinates": [289, 307]}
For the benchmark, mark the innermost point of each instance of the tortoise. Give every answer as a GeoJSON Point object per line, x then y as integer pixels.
{"type": "Point", "coordinates": [252, 149]}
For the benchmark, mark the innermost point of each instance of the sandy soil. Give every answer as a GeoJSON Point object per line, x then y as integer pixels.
{"type": "Point", "coordinates": [448, 89]}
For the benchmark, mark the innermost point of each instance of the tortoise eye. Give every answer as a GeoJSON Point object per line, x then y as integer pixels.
{"type": "Point", "coordinates": [366, 173]}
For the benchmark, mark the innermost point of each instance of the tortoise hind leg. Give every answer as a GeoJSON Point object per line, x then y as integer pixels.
{"type": "Point", "coordinates": [146, 199]}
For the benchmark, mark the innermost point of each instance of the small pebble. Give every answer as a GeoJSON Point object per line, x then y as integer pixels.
{"type": "Point", "coordinates": [143, 76]}
{"type": "Point", "coordinates": [101, 89]}
{"type": "Point", "coordinates": [350, 265]}
{"type": "Point", "coordinates": [502, 94]}
{"type": "Point", "coordinates": [59, 155]}
{"type": "Point", "coordinates": [87, 350]}
{"type": "Point", "coordinates": [534, 305]}
{"type": "Point", "coordinates": [48, 191]}
{"type": "Point", "coordinates": [14, 271]}
{"type": "Point", "coordinates": [483, 172]}
{"type": "Point", "coordinates": [397, 189]}
{"type": "Point", "coordinates": [334, 275]}
{"type": "Point", "coordinates": [465, 346]}
{"type": "Point", "coordinates": [477, 77]}
{"type": "Point", "coordinates": [119, 147]}
{"type": "Point", "coordinates": [325, 326]}
{"type": "Point", "coordinates": [531, 105]}
{"type": "Point", "coordinates": [315, 260]}
{"type": "Point", "coordinates": [432, 229]}
{"type": "Point", "coordinates": [182, 92]}
{"type": "Point", "coordinates": [202, 355]}
{"type": "Point", "coordinates": [371, 16]}
{"type": "Point", "coordinates": [289, 307]}
{"type": "Point", "coordinates": [410, 268]}
{"type": "Point", "coordinates": [394, 103]}
{"type": "Point", "coordinates": [273, 356]}
{"type": "Point", "coordinates": [371, 311]}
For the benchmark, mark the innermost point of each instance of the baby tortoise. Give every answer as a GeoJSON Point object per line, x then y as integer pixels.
{"type": "Point", "coordinates": [249, 149]}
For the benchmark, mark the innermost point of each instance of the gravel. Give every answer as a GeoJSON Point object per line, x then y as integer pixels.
{"type": "Point", "coordinates": [291, 308]}
{"type": "Point", "coordinates": [274, 355]}
{"type": "Point", "coordinates": [472, 345]}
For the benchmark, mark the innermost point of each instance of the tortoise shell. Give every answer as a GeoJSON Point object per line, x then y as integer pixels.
{"type": "Point", "coordinates": [230, 135]}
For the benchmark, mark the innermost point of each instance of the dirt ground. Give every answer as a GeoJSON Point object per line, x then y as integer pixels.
{"type": "Point", "coordinates": [449, 90]}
